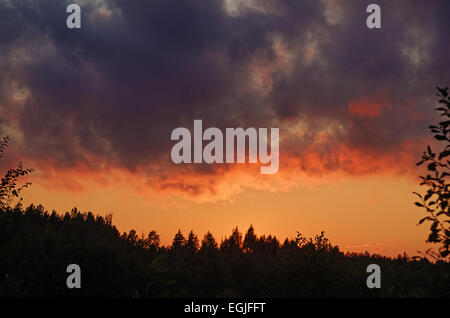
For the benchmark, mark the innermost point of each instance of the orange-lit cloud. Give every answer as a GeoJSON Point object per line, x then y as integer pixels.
{"type": "Point", "coordinates": [367, 108]}
{"type": "Point", "coordinates": [308, 166]}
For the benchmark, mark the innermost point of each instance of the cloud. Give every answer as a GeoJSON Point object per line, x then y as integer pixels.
{"type": "Point", "coordinates": [106, 97]}
{"type": "Point", "coordinates": [367, 108]}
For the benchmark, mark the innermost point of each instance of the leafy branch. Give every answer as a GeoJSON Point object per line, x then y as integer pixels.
{"type": "Point", "coordinates": [9, 187]}
{"type": "Point", "coordinates": [435, 200]}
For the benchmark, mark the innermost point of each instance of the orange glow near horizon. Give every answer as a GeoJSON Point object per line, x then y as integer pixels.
{"type": "Point", "coordinates": [373, 213]}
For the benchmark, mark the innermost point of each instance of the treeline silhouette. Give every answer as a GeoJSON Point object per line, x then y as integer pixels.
{"type": "Point", "coordinates": [36, 246]}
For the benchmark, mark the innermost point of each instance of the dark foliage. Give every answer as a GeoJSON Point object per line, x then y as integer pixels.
{"type": "Point", "coordinates": [9, 187]}
{"type": "Point", "coordinates": [36, 246]}
{"type": "Point", "coordinates": [436, 198]}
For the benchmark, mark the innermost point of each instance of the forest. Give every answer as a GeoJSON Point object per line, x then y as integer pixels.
{"type": "Point", "coordinates": [36, 246]}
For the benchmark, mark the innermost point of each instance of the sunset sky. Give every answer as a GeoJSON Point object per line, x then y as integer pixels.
{"type": "Point", "coordinates": [92, 110]}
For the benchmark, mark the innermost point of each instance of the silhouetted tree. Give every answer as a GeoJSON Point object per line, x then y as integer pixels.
{"type": "Point", "coordinates": [232, 243]}
{"type": "Point", "coordinates": [179, 240]}
{"type": "Point", "coordinates": [436, 198]}
{"type": "Point", "coordinates": [192, 242]}
{"type": "Point", "coordinates": [9, 187]}
{"type": "Point", "coordinates": [250, 240]}
{"type": "Point", "coordinates": [36, 246]}
{"type": "Point", "coordinates": [208, 243]}
{"type": "Point", "coordinates": [152, 242]}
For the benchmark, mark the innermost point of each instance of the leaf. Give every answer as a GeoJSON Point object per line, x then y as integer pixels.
{"type": "Point", "coordinates": [419, 204]}
{"type": "Point", "coordinates": [443, 91]}
{"type": "Point", "coordinates": [445, 123]}
{"type": "Point", "coordinates": [428, 195]}
{"type": "Point", "coordinates": [427, 218]}
{"type": "Point", "coordinates": [439, 137]}
{"type": "Point", "coordinates": [417, 194]}
{"type": "Point", "coordinates": [434, 226]}
{"type": "Point", "coordinates": [444, 154]}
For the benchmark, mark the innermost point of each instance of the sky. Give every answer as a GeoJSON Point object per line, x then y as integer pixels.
{"type": "Point", "coordinates": [92, 111]}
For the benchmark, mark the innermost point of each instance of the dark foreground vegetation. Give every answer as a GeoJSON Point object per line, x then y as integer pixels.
{"type": "Point", "coordinates": [36, 246]}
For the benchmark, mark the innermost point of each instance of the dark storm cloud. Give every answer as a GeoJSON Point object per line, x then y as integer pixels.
{"type": "Point", "coordinates": [363, 62]}
{"type": "Point", "coordinates": [115, 89]}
